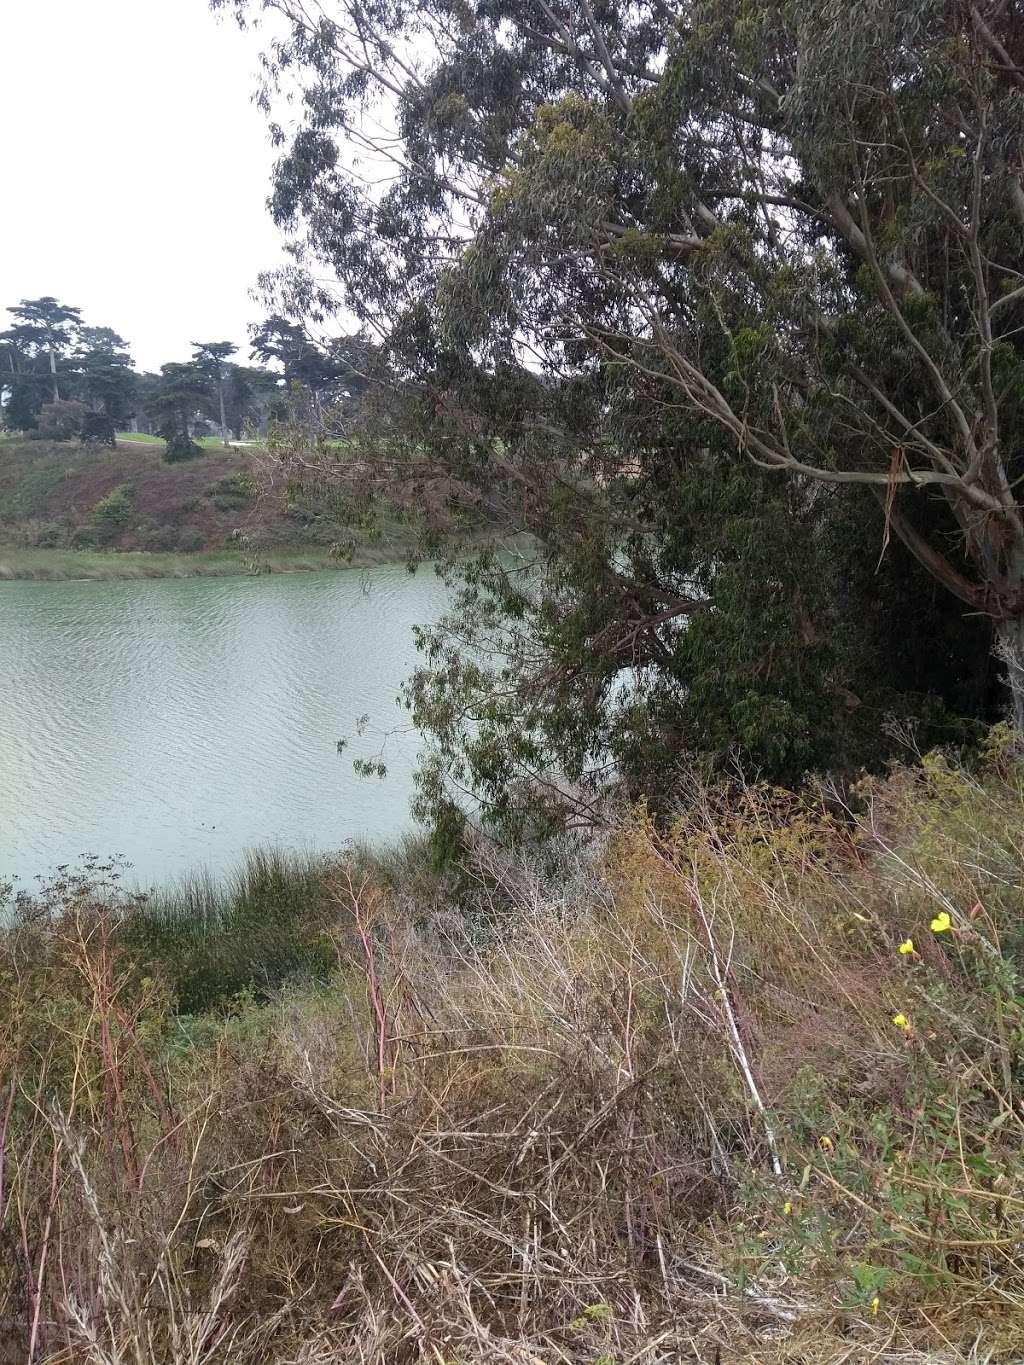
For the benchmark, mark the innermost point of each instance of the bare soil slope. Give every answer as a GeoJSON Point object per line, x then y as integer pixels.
{"type": "Point", "coordinates": [64, 496]}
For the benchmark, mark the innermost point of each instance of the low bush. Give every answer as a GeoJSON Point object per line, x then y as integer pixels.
{"type": "Point", "coordinates": [214, 941]}
{"type": "Point", "coordinates": [321, 532]}
{"type": "Point", "coordinates": [164, 537]}
{"type": "Point", "coordinates": [42, 534]}
{"type": "Point", "coordinates": [88, 538]}
{"type": "Point", "coordinates": [113, 513]}
{"type": "Point", "coordinates": [60, 421]}
{"type": "Point", "coordinates": [109, 519]}
{"type": "Point", "coordinates": [744, 1089]}
{"type": "Point", "coordinates": [179, 446]}
{"type": "Point", "coordinates": [190, 539]}
{"type": "Point", "coordinates": [231, 493]}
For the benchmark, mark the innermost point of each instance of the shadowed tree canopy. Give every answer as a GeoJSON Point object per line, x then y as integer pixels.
{"type": "Point", "coordinates": [302, 361]}
{"type": "Point", "coordinates": [104, 374]}
{"type": "Point", "coordinates": [44, 331]}
{"type": "Point", "coordinates": [721, 303]}
{"type": "Point", "coordinates": [184, 391]}
{"type": "Point", "coordinates": [252, 396]}
{"type": "Point", "coordinates": [210, 357]}
{"type": "Point", "coordinates": [330, 374]}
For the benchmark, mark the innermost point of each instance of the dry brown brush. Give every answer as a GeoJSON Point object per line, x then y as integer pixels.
{"type": "Point", "coordinates": [748, 1088]}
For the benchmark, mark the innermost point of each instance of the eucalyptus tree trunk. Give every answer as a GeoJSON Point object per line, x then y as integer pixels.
{"type": "Point", "coordinates": [1010, 634]}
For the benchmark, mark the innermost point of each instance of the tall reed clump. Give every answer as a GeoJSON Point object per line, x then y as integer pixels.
{"type": "Point", "coordinates": [213, 940]}
{"type": "Point", "coordinates": [743, 1089]}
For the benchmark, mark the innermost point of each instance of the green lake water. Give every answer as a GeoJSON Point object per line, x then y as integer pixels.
{"type": "Point", "coordinates": [178, 722]}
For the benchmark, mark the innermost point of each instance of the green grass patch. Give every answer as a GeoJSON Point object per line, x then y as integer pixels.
{"type": "Point", "coordinates": [206, 442]}
{"type": "Point", "coordinates": [54, 565]}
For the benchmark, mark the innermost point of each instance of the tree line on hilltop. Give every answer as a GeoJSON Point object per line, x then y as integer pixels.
{"type": "Point", "coordinates": [61, 378]}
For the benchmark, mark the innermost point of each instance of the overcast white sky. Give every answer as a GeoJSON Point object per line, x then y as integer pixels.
{"type": "Point", "coordinates": [134, 169]}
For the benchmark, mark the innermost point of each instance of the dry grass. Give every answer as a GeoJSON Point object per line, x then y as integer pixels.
{"type": "Point", "coordinates": [650, 1108]}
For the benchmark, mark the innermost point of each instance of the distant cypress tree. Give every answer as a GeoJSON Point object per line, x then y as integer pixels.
{"type": "Point", "coordinates": [183, 392]}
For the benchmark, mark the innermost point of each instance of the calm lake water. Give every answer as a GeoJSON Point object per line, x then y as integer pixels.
{"type": "Point", "coordinates": [180, 722]}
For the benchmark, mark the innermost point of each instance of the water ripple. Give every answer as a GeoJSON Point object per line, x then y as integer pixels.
{"type": "Point", "coordinates": [182, 721]}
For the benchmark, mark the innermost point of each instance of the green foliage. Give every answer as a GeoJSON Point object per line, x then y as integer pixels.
{"type": "Point", "coordinates": [447, 838]}
{"type": "Point", "coordinates": [707, 375]}
{"type": "Point", "coordinates": [261, 928]}
{"type": "Point", "coordinates": [181, 392]}
{"type": "Point", "coordinates": [113, 513]}
{"type": "Point", "coordinates": [178, 445]}
{"type": "Point", "coordinates": [231, 493]}
{"type": "Point", "coordinates": [60, 421]}
{"type": "Point", "coordinates": [53, 356]}
{"type": "Point", "coordinates": [190, 539]}
{"type": "Point", "coordinates": [23, 403]}
{"type": "Point", "coordinates": [98, 429]}
{"type": "Point", "coordinates": [104, 375]}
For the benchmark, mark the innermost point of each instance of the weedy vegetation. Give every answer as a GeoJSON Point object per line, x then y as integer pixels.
{"type": "Point", "coordinates": [742, 1088]}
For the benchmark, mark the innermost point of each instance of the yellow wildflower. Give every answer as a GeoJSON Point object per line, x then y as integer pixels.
{"type": "Point", "coordinates": [941, 922]}
{"type": "Point", "coordinates": [907, 946]}
{"type": "Point", "coordinates": [876, 1303]}
{"type": "Point", "coordinates": [901, 1021]}
{"type": "Point", "coordinates": [787, 1208]}
{"type": "Point", "coordinates": [825, 1142]}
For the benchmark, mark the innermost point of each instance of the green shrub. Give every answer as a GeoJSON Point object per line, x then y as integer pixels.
{"type": "Point", "coordinates": [231, 493]}
{"type": "Point", "coordinates": [164, 537]}
{"type": "Point", "coordinates": [112, 514]}
{"type": "Point", "coordinates": [179, 447]}
{"type": "Point", "coordinates": [50, 535]}
{"type": "Point", "coordinates": [42, 535]}
{"type": "Point", "coordinates": [321, 532]}
{"type": "Point", "coordinates": [60, 421]}
{"type": "Point", "coordinates": [190, 539]}
{"type": "Point", "coordinates": [87, 538]}
{"type": "Point", "coordinates": [259, 929]}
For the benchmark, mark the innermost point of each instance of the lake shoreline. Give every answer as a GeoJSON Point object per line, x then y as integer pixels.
{"type": "Point", "coordinates": [18, 564]}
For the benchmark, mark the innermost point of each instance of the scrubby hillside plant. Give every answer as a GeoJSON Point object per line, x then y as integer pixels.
{"type": "Point", "coordinates": [752, 1080]}
{"type": "Point", "coordinates": [60, 421]}
{"type": "Point", "coordinates": [113, 513]}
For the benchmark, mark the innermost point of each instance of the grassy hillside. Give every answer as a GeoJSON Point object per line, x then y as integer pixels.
{"type": "Point", "coordinates": [66, 510]}
{"type": "Point", "coordinates": [749, 1089]}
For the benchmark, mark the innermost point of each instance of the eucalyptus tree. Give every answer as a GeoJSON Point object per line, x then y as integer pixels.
{"type": "Point", "coordinates": [675, 285]}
